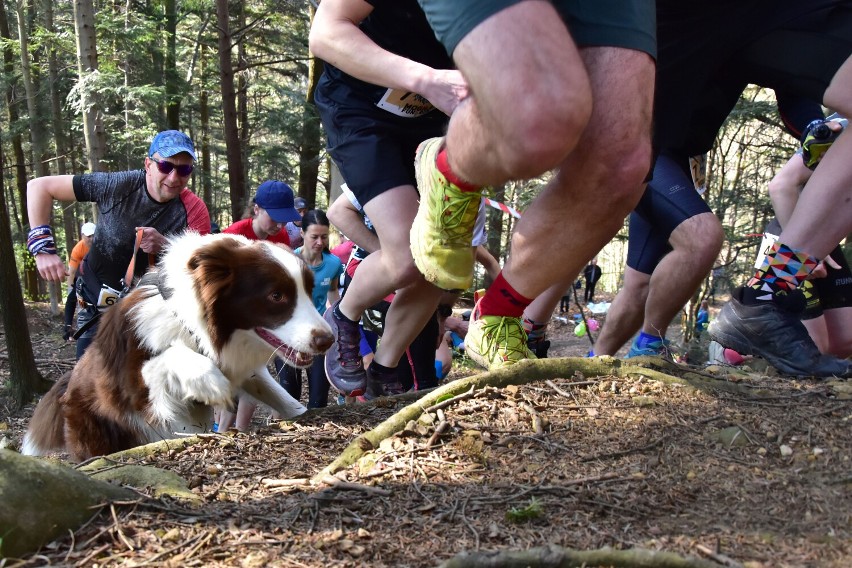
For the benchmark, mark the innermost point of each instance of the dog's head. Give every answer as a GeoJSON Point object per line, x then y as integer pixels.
{"type": "Point", "coordinates": [250, 298]}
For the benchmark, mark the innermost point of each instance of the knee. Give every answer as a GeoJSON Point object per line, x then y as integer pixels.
{"type": "Point", "coordinates": [403, 274]}
{"type": "Point", "coordinates": [543, 131]}
{"type": "Point", "coordinates": [630, 167]}
{"type": "Point", "coordinates": [622, 166]}
{"type": "Point", "coordinates": [702, 236]}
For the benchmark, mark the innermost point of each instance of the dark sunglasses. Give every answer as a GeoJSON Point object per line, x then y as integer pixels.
{"type": "Point", "coordinates": [166, 168]}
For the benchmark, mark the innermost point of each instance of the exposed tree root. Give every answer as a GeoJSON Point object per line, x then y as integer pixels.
{"type": "Point", "coordinates": [557, 557]}
{"type": "Point", "coordinates": [523, 373]}
{"type": "Point", "coordinates": [42, 501]}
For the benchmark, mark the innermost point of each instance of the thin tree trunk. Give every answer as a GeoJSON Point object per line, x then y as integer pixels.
{"type": "Point", "coordinates": [172, 78]}
{"type": "Point", "coordinates": [87, 68]}
{"type": "Point", "coordinates": [242, 96]}
{"type": "Point", "coordinates": [19, 167]}
{"type": "Point", "coordinates": [311, 143]}
{"type": "Point", "coordinates": [236, 173]}
{"type": "Point", "coordinates": [60, 139]}
{"type": "Point", "coordinates": [24, 377]}
{"type": "Point", "coordinates": [38, 136]}
{"type": "Point", "coordinates": [204, 118]}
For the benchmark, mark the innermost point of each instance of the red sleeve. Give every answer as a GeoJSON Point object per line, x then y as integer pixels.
{"type": "Point", "coordinates": [197, 216]}
{"type": "Point", "coordinates": [281, 237]}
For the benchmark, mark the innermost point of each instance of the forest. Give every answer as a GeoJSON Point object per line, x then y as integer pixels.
{"type": "Point", "coordinates": [86, 85]}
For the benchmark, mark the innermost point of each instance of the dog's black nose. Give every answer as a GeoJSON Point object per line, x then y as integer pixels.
{"type": "Point", "coordinates": [321, 340]}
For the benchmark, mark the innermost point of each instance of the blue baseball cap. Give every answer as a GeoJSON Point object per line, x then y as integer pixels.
{"type": "Point", "coordinates": [277, 198]}
{"type": "Point", "coordinates": [170, 143]}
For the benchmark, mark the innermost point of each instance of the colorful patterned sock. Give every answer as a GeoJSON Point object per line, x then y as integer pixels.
{"type": "Point", "coordinates": [783, 270]}
{"type": "Point", "coordinates": [442, 162]}
{"type": "Point", "coordinates": [536, 330]}
{"type": "Point", "coordinates": [503, 300]}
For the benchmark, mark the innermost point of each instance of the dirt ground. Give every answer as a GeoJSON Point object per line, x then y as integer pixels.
{"type": "Point", "coordinates": [617, 462]}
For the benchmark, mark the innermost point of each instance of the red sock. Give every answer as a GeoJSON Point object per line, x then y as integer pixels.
{"type": "Point", "coordinates": [443, 165]}
{"type": "Point", "coordinates": [503, 300]}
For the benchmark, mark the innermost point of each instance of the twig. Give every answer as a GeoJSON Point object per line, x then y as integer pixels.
{"type": "Point", "coordinates": [717, 557]}
{"type": "Point", "coordinates": [470, 525]}
{"type": "Point", "coordinates": [621, 453]}
{"type": "Point", "coordinates": [450, 401]}
{"type": "Point", "coordinates": [121, 536]}
{"type": "Point", "coordinates": [195, 548]}
{"type": "Point", "coordinates": [535, 418]}
{"type": "Point", "coordinates": [338, 483]}
{"type": "Point", "coordinates": [285, 482]}
{"type": "Point", "coordinates": [92, 554]}
{"type": "Point", "coordinates": [745, 431]}
{"type": "Point", "coordinates": [442, 426]}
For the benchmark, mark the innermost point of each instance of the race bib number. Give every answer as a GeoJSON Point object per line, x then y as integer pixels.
{"type": "Point", "coordinates": [698, 168]}
{"type": "Point", "coordinates": [107, 296]}
{"type": "Point", "coordinates": [405, 103]}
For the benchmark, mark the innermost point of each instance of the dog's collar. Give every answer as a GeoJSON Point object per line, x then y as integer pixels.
{"type": "Point", "coordinates": [157, 278]}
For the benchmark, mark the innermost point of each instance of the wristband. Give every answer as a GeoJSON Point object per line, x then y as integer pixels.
{"type": "Point", "coordinates": [40, 241]}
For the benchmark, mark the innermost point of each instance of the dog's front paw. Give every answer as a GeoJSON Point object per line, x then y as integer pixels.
{"type": "Point", "coordinates": [187, 375]}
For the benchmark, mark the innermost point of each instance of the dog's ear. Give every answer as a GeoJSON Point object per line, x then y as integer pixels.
{"type": "Point", "coordinates": [215, 258]}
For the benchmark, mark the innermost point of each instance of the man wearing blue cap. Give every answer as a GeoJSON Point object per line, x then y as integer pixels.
{"type": "Point", "coordinates": [154, 199]}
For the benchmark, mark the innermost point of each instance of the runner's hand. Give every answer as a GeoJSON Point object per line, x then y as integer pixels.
{"type": "Point", "coordinates": [445, 89]}
{"type": "Point", "coordinates": [51, 267]}
{"type": "Point", "coordinates": [152, 241]}
{"type": "Point", "coordinates": [821, 271]}
{"type": "Point", "coordinates": [818, 137]}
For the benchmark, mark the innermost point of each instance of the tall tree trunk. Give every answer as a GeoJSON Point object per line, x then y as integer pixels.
{"type": "Point", "coordinates": [310, 145]}
{"type": "Point", "coordinates": [204, 117]}
{"type": "Point", "coordinates": [19, 167]}
{"type": "Point", "coordinates": [87, 68]}
{"type": "Point", "coordinates": [38, 136]}
{"type": "Point", "coordinates": [236, 173]}
{"type": "Point", "coordinates": [60, 139]}
{"type": "Point", "coordinates": [172, 78]}
{"type": "Point", "coordinates": [242, 95]}
{"type": "Point", "coordinates": [23, 374]}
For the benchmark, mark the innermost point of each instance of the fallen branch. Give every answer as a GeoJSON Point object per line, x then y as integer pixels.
{"type": "Point", "coordinates": [557, 557]}
{"type": "Point", "coordinates": [338, 483]}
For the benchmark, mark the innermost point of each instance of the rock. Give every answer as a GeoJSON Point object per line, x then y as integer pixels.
{"type": "Point", "coordinates": [730, 437]}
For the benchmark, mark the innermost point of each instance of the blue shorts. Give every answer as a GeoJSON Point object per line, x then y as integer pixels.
{"type": "Point", "coordinates": [669, 200]}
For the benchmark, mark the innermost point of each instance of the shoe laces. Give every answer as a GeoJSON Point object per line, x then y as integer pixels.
{"type": "Point", "coordinates": [348, 343]}
{"type": "Point", "coordinates": [458, 210]}
{"type": "Point", "coordinates": [505, 336]}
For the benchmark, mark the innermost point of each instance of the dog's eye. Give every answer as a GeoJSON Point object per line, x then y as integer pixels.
{"type": "Point", "coordinates": [277, 297]}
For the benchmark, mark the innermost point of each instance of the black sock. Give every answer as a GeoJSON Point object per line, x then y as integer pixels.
{"type": "Point", "coordinates": [339, 315]}
{"type": "Point", "coordinates": [378, 369]}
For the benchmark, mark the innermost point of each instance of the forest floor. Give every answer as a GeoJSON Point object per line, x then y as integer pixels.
{"type": "Point", "coordinates": [619, 462]}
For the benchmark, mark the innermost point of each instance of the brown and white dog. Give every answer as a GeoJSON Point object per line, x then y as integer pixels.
{"type": "Point", "coordinates": [194, 335]}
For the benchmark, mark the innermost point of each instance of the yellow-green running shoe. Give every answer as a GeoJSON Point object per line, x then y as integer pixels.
{"type": "Point", "coordinates": [497, 341]}
{"type": "Point", "coordinates": [443, 228]}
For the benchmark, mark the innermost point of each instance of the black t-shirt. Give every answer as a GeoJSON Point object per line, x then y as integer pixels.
{"type": "Point", "coordinates": [400, 27]}
{"type": "Point", "coordinates": [124, 204]}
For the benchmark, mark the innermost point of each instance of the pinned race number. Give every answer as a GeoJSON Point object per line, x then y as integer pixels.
{"type": "Point", "coordinates": [107, 296]}
{"type": "Point", "coordinates": [405, 103]}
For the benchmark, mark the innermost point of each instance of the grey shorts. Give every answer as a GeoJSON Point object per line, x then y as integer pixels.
{"type": "Point", "coordinates": [593, 23]}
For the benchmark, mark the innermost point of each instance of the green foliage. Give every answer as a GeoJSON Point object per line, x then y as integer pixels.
{"type": "Point", "coordinates": [526, 514]}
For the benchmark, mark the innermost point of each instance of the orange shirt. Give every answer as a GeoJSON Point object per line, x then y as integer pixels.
{"type": "Point", "coordinates": [77, 253]}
